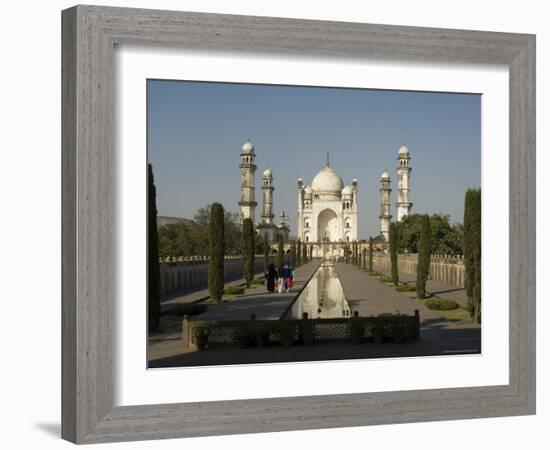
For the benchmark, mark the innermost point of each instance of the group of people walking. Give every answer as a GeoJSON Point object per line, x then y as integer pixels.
{"type": "Point", "coordinates": [280, 280]}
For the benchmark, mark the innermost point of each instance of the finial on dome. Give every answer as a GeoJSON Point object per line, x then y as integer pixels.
{"type": "Point", "coordinates": [328, 160]}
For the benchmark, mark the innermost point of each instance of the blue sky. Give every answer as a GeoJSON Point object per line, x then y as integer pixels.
{"type": "Point", "coordinates": [196, 131]}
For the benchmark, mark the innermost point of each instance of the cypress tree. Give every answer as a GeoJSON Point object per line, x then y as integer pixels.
{"type": "Point", "coordinates": [280, 255]}
{"type": "Point", "coordinates": [299, 253]}
{"type": "Point", "coordinates": [248, 250]}
{"type": "Point", "coordinates": [477, 254]}
{"type": "Point", "coordinates": [472, 252]}
{"type": "Point", "coordinates": [364, 261]}
{"type": "Point", "coordinates": [424, 253]}
{"type": "Point", "coordinates": [393, 254]}
{"type": "Point", "coordinates": [371, 249]}
{"type": "Point", "coordinates": [293, 255]}
{"type": "Point", "coordinates": [304, 253]}
{"type": "Point", "coordinates": [216, 252]}
{"type": "Point", "coordinates": [153, 266]}
{"type": "Point", "coordinates": [266, 255]}
{"type": "Point", "coordinates": [311, 252]}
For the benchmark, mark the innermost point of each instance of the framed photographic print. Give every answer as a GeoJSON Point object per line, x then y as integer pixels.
{"type": "Point", "coordinates": [330, 217]}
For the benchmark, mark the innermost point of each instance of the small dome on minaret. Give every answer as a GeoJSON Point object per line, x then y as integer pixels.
{"type": "Point", "coordinates": [268, 173]}
{"type": "Point", "coordinates": [403, 151]}
{"type": "Point", "coordinates": [385, 175]}
{"type": "Point", "coordinates": [248, 147]}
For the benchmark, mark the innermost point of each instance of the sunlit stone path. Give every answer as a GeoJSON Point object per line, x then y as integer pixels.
{"type": "Point", "coordinates": [369, 296]}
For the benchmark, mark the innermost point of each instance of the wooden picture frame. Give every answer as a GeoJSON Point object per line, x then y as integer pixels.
{"type": "Point", "coordinates": [90, 34]}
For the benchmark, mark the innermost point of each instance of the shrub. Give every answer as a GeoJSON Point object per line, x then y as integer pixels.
{"type": "Point", "coordinates": [190, 309]}
{"type": "Point", "coordinates": [259, 281]}
{"type": "Point", "coordinates": [261, 329]}
{"type": "Point", "coordinates": [441, 304]}
{"type": "Point", "coordinates": [356, 323]}
{"type": "Point", "coordinates": [385, 279]}
{"type": "Point", "coordinates": [286, 327]}
{"type": "Point", "coordinates": [405, 288]}
{"type": "Point", "coordinates": [202, 328]}
{"type": "Point", "coordinates": [234, 290]}
{"type": "Point", "coordinates": [244, 331]}
{"type": "Point", "coordinates": [307, 326]}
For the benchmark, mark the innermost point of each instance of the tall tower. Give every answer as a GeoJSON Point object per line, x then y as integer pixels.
{"type": "Point", "coordinates": [267, 189]}
{"type": "Point", "coordinates": [385, 205]}
{"type": "Point", "coordinates": [403, 176]}
{"type": "Point", "coordinates": [248, 169]}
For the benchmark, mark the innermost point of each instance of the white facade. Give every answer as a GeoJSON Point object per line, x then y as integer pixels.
{"type": "Point", "coordinates": [403, 204]}
{"type": "Point", "coordinates": [248, 202]}
{"type": "Point", "coordinates": [385, 206]}
{"type": "Point", "coordinates": [327, 211]}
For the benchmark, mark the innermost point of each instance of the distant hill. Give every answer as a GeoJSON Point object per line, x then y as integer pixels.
{"type": "Point", "coordinates": [164, 220]}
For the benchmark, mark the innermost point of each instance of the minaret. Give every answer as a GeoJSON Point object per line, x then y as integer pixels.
{"type": "Point", "coordinates": [403, 176]}
{"type": "Point", "coordinates": [267, 189]}
{"type": "Point", "coordinates": [385, 205]}
{"type": "Point", "coordinates": [248, 169]}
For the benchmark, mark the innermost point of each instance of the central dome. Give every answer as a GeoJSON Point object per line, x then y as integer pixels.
{"type": "Point", "coordinates": [327, 180]}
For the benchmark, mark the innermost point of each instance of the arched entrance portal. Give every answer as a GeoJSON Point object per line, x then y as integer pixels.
{"type": "Point", "coordinates": [327, 226]}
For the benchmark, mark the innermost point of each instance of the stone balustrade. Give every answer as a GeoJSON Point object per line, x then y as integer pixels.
{"type": "Point", "coordinates": [443, 268]}
{"type": "Point", "coordinates": [190, 274]}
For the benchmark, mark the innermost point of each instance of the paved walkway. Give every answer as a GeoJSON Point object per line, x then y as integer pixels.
{"type": "Point", "coordinates": [369, 296]}
{"type": "Point", "coordinates": [265, 305]}
{"type": "Point", "coordinates": [433, 287]}
{"type": "Point", "coordinates": [365, 293]}
{"type": "Point", "coordinates": [446, 342]}
{"type": "Point", "coordinates": [169, 300]}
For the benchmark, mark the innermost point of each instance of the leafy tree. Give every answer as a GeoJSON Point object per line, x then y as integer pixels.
{"type": "Point", "coordinates": [299, 253]}
{"type": "Point", "coordinates": [371, 248]}
{"type": "Point", "coordinates": [424, 253]}
{"type": "Point", "coordinates": [472, 252]}
{"type": "Point", "coordinates": [248, 250]}
{"type": "Point", "coordinates": [190, 237]}
{"type": "Point", "coordinates": [280, 255]}
{"type": "Point", "coordinates": [393, 254]}
{"type": "Point", "coordinates": [446, 239]}
{"type": "Point", "coordinates": [216, 250]}
{"type": "Point", "coordinates": [153, 267]}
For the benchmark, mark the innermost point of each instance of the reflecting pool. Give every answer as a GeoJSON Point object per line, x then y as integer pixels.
{"type": "Point", "coordinates": [323, 297]}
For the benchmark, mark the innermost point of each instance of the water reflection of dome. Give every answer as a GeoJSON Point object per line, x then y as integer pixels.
{"type": "Point", "coordinates": [323, 297]}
